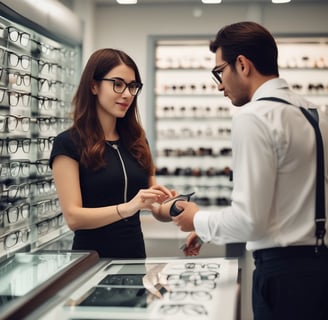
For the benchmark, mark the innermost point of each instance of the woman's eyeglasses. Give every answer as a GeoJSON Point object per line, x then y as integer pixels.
{"type": "Point", "coordinates": [120, 85]}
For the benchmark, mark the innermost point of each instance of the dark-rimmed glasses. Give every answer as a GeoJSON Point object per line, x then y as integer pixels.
{"type": "Point", "coordinates": [15, 168]}
{"type": "Point", "coordinates": [12, 239]}
{"type": "Point", "coordinates": [180, 197]}
{"type": "Point", "coordinates": [120, 85]}
{"type": "Point", "coordinates": [10, 122]}
{"type": "Point", "coordinates": [14, 59]}
{"type": "Point", "coordinates": [15, 35]}
{"type": "Point", "coordinates": [13, 144]}
{"type": "Point", "coordinates": [13, 213]}
{"type": "Point", "coordinates": [15, 97]}
{"type": "Point", "coordinates": [19, 78]}
{"type": "Point", "coordinates": [217, 72]}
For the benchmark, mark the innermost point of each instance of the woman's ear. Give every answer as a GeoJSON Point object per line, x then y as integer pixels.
{"type": "Point", "coordinates": [94, 87]}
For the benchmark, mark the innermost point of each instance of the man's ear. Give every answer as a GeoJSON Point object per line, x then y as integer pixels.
{"type": "Point", "coordinates": [243, 64]}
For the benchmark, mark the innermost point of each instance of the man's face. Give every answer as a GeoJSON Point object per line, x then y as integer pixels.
{"type": "Point", "coordinates": [233, 82]}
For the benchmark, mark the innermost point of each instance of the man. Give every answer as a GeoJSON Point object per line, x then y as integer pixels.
{"type": "Point", "coordinates": [274, 172]}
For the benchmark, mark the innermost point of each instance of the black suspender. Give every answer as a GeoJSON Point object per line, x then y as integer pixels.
{"type": "Point", "coordinates": [320, 212]}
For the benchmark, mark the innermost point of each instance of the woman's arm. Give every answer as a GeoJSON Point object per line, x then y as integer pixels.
{"type": "Point", "coordinates": [67, 181]}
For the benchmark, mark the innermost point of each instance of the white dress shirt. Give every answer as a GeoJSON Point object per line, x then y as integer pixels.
{"type": "Point", "coordinates": [274, 175]}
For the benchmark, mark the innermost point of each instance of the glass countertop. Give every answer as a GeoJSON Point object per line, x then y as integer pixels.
{"type": "Point", "coordinates": [25, 273]}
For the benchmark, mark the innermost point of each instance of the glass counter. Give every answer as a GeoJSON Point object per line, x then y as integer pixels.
{"type": "Point", "coordinates": [153, 289]}
{"type": "Point", "coordinates": [29, 279]}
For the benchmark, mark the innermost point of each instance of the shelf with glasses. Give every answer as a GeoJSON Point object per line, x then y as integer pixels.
{"type": "Point", "coordinates": [303, 62]}
{"type": "Point", "coordinates": [193, 123]}
{"type": "Point", "coordinates": [193, 120]}
{"type": "Point", "coordinates": [37, 80]}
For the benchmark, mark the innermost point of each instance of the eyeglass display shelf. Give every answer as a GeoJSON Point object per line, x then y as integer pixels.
{"type": "Point", "coordinates": [29, 279]}
{"type": "Point", "coordinates": [197, 288]}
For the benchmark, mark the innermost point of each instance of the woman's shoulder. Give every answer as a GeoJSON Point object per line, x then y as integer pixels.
{"type": "Point", "coordinates": [65, 135]}
{"type": "Point", "coordinates": [66, 140]}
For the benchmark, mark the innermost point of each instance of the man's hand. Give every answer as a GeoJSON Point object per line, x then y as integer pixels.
{"type": "Point", "coordinates": [192, 245]}
{"type": "Point", "coordinates": [185, 220]}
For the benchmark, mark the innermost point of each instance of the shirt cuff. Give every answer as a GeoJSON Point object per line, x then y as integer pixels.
{"type": "Point", "coordinates": [201, 219]}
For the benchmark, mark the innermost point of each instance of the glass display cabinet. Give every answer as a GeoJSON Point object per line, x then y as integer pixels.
{"type": "Point", "coordinates": [154, 288]}
{"type": "Point", "coordinates": [29, 279]}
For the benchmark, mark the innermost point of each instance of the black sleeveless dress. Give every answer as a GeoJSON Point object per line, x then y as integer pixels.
{"type": "Point", "coordinates": [122, 177]}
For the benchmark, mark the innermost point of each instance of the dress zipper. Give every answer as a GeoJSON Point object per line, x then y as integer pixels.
{"type": "Point", "coordinates": [115, 146]}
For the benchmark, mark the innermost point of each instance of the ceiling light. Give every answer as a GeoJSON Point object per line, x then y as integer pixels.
{"type": "Point", "coordinates": [127, 1]}
{"type": "Point", "coordinates": [211, 1]}
{"type": "Point", "coordinates": [280, 1]}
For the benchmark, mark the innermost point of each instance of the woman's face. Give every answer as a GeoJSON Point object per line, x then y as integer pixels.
{"type": "Point", "coordinates": [110, 103]}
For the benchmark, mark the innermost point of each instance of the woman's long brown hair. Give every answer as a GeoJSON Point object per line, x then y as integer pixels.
{"type": "Point", "coordinates": [87, 131]}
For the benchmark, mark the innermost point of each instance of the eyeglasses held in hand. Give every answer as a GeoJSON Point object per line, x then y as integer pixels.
{"type": "Point", "coordinates": [120, 85]}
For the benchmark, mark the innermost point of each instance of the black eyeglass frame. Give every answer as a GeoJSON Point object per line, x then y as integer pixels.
{"type": "Point", "coordinates": [138, 85]}
{"type": "Point", "coordinates": [217, 72]}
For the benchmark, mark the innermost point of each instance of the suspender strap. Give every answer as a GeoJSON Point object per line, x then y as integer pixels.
{"type": "Point", "coordinates": [320, 194]}
{"type": "Point", "coordinates": [320, 212]}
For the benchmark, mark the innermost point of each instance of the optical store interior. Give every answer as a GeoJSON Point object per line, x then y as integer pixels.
{"type": "Point", "coordinates": [44, 45]}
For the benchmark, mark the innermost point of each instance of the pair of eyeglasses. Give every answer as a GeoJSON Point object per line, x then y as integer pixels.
{"type": "Point", "coordinates": [13, 145]}
{"type": "Point", "coordinates": [14, 97]}
{"type": "Point", "coordinates": [15, 35]}
{"type": "Point", "coordinates": [15, 168]}
{"type": "Point", "coordinates": [12, 239]}
{"type": "Point", "coordinates": [120, 85]}
{"type": "Point", "coordinates": [217, 73]}
{"type": "Point", "coordinates": [16, 213]}
{"type": "Point", "coordinates": [46, 207]}
{"type": "Point", "coordinates": [14, 60]}
{"type": "Point", "coordinates": [174, 210]}
{"type": "Point", "coordinates": [10, 122]}
{"type": "Point", "coordinates": [49, 224]}
{"type": "Point", "coordinates": [188, 309]}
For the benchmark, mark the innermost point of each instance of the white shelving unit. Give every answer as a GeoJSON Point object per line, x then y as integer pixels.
{"type": "Point", "coordinates": [193, 120]}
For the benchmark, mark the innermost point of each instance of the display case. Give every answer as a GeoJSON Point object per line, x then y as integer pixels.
{"type": "Point", "coordinates": [29, 279]}
{"type": "Point", "coordinates": [38, 74]}
{"type": "Point", "coordinates": [193, 122]}
{"type": "Point", "coordinates": [161, 288]}
{"type": "Point", "coordinates": [303, 62]}
{"type": "Point", "coordinates": [193, 119]}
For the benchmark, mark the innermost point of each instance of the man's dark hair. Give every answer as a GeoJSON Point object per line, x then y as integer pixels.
{"type": "Point", "coordinates": [251, 40]}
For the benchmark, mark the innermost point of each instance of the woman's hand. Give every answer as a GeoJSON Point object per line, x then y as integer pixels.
{"type": "Point", "coordinates": [145, 199]}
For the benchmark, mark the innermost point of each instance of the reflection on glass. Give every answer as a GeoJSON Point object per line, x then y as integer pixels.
{"type": "Point", "coordinates": [187, 309]}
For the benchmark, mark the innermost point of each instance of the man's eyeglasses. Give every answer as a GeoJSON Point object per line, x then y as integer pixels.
{"type": "Point", "coordinates": [217, 72]}
{"type": "Point", "coordinates": [120, 85]}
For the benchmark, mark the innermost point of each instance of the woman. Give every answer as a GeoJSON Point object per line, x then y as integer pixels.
{"type": "Point", "coordinates": [102, 165]}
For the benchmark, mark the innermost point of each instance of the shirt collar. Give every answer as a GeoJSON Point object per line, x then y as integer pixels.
{"type": "Point", "coordinates": [266, 89]}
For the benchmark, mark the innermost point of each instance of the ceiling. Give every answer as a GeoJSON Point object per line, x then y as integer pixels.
{"type": "Point", "coordinates": [172, 2]}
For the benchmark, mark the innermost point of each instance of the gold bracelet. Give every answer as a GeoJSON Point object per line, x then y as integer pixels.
{"type": "Point", "coordinates": [120, 215]}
